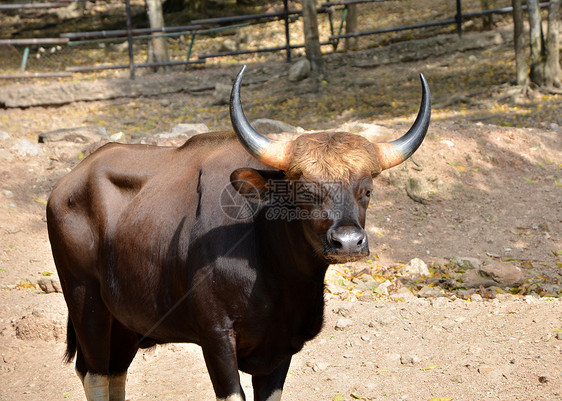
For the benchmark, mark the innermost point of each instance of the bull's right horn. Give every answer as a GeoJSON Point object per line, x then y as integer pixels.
{"type": "Point", "coordinates": [393, 153]}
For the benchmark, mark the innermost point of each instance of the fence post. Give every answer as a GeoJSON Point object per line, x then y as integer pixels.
{"type": "Point", "coordinates": [458, 17]}
{"type": "Point", "coordinates": [287, 36]}
{"type": "Point", "coordinates": [130, 39]}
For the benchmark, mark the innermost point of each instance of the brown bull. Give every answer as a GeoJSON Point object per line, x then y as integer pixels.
{"type": "Point", "coordinates": [148, 250]}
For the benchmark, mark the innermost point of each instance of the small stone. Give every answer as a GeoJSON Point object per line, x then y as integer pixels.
{"type": "Point", "coordinates": [268, 126]}
{"type": "Point", "coordinates": [559, 335]}
{"type": "Point", "coordinates": [299, 70]}
{"type": "Point", "coordinates": [117, 137]}
{"type": "Point", "coordinates": [403, 294]}
{"type": "Point", "coordinates": [317, 367]}
{"type": "Point", "coordinates": [415, 268]}
{"type": "Point", "coordinates": [439, 302]}
{"type": "Point", "coordinates": [476, 298]}
{"type": "Point", "coordinates": [367, 283]}
{"type": "Point", "coordinates": [476, 278]}
{"type": "Point", "coordinates": [408, 359]}
{"type": "Point", "coordinates": [544, 379]}
{"type": "Point", "coordinates": [504, 273]}
{"type": "Point", "coordinates": [190, 129]}
{"type": "Point", "coordinates": [49, 285]}
{"type": "Point", "coordinates": [221, 95]}
{"type": "Point", "coordinates": [24, 147]}
{"type": "Point", "coordinates": [77, 135]}
{"type": "Point", "coordinates": [430, 292]}
{"type": "Point", "coordinates": [8, 194]}
{"type": "Point", "coordinates": [464, 263]}
{"type": "Point", "coordinates": [343, 323]}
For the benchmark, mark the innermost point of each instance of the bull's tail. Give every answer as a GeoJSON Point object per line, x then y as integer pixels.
{"type": "Point", "coordinates": [70, 342]}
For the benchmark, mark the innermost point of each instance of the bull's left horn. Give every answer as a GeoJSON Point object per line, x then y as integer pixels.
{"type": "Point", "coordinates": [393, 153]}
{"type": "Point", "coordinates": [273, 153]}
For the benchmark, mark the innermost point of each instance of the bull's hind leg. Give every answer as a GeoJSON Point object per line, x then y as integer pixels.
{"type": "Point", "coordinates": [124, 346]}
{"type": "Point", "coordinates": [97, 338]}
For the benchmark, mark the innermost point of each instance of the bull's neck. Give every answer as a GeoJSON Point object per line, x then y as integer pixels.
{"type": "Point", "coordinates": [288, 249]}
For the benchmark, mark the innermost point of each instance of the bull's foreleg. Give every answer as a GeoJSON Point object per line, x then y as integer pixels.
{"type": "Point", "coordinates": [219, 351]}
{"type": "Point", "coordinates": [270, 387]}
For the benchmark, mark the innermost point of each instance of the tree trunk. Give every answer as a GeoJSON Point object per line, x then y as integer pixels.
{"type": "Point", "coordinates": [487, 20]}
{"type": "Point", "coordinates": [351, 27]}
{"type": "Point", "coordinates": [552, 65]}
{"type": "Point", "coordinates": [519, 41]}
{"type": "Point", "coordinates": [537, 65]}
{"type": "Point", "coordinates": [158, 47]}
{"type": "Point", "coordinates": [311, 36]}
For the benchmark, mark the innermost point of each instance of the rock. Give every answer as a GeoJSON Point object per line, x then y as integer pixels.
{"type": "Point", "coordinates": [299, 70]}
{"type": "Point", "coordinates": [544, 379]}
{"type": "Point", "coordinates": [439, 302]}
{"type": "Point", "coordinates": [40, 325]}
{"type": "Point", "coordinates": [317, 367]}
{"type": "Point", "coordinates": [504, 273]}
{"type": "Point", "coordinates": [49, 284]}
{"type": "Point", "coordinates": [24, 147]}
{"type": "Point", "coordinates": [367, 283]}
{"type": "Point", "coordinates": [189, 130]}
{"type": "Point", "coordinates": [343, 310]}
{"type": "Point", "coordinates": [430, 292]}
{"type": "Point", "coordinates": [476, 298]}
{"type": "Point", "coordinates": [7, 193]}
{"type": "Point", "coordinates": [403, 293]}
{"type": "Point", "coordinates": [118, 137]}
{"type": "Point", "coordinates": [228, 45]}
{"type": "Point", "coordinates": [415, 268]}
{"type": "Point", "coordinates": [476, 278]}
{"type": "Point", "coordinates": [373, 132]}
{"type": "Point", "coordinates": [343, 323]}
{"type": "Point", "coordinates": [221, 95]}
{"type": "Point", "coordinates": [464, 264]}
{"type": "Point", "coordinates": [267, 126]}
{"type": "Point", "coordinates": [382, 288]}
{"type": "Point", "coordinates": [78, 135]}
{"type": "Point", "coordinates": [4, 136]}
{"type": "Point", "coordinates": [408, 359]}
{"type": "Point", "coordinates": [559, 335]}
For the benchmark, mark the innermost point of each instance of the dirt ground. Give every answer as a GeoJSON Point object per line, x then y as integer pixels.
{"type": "Point", "coordinates": [483, 190]}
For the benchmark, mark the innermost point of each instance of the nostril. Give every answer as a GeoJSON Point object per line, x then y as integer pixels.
{"type": "Point", "coordinates": [336, 243]}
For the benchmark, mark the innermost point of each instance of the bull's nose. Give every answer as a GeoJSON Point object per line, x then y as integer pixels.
{"type": "Point", "coordinates": [347, 239]}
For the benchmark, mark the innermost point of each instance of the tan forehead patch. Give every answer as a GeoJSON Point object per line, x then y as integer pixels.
{"type": "Point", "coordinates": [332, 156]}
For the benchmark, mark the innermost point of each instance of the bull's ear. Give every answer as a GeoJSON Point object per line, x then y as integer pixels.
{"type": "Point", "coordinates": [253, 183]}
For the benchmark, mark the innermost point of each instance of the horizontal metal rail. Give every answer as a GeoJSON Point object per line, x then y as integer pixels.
{"type": "Point", "coordinates": [252, 51]}
{"type": "Point", "coordinates": [123, 32]}
{"type": "Point", "coordinates": [36, 75]}
{"type": "Point", "coordinates": [455, 20]}
{"type": "Point", "coordinates": [349, 2]}
{"type": "Point", "coordinates": [397, 29]}
{"type": "Point", "coordinates": [126, 66]}
{"type": "Point", "coordinates": [34, 41]}
{"type": "Point", "coordinates": [6, 7]}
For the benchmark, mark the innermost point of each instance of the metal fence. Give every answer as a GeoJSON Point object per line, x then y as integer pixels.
{"type": "Point", "coordinates": [98, 51]}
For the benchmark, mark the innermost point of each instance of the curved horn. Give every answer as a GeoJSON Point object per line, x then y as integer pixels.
{"type": "Point", "coordinates": [273, 153]}
{"type": "Point", "coordinates": [393, 153]}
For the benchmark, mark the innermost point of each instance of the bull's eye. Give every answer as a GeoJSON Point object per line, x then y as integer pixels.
{"type": "Point", "coordinates": [368, 194]}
